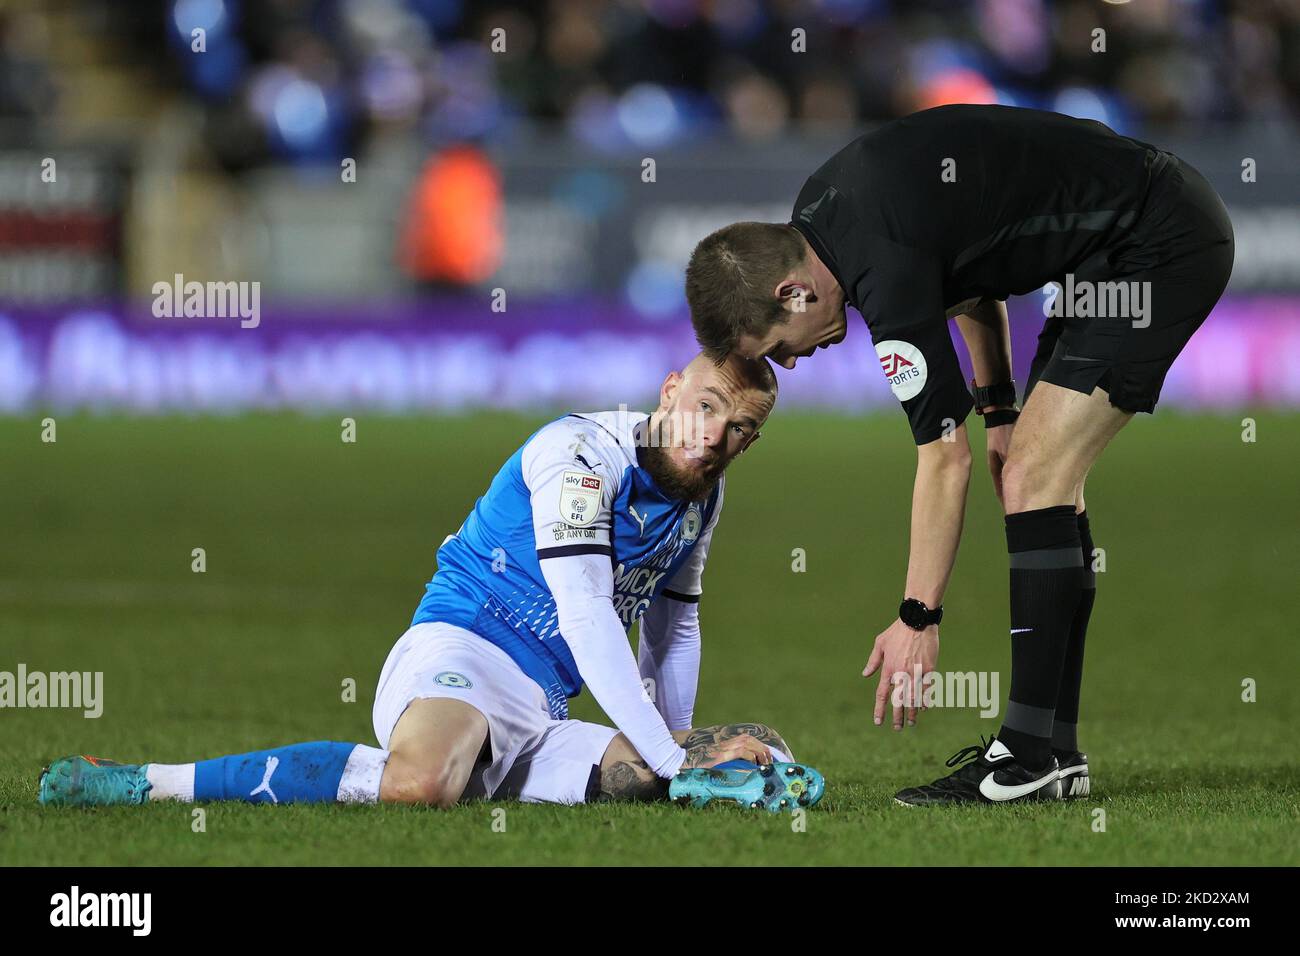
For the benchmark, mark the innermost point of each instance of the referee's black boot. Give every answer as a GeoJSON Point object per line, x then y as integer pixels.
{"type": "Point", "coordinates": [1074, 773]}
{"type": "Point", "coordinates": [994, 776]}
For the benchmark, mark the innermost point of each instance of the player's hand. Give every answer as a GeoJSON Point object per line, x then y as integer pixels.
{"type": "Point", "coordinates": [998, 442]}
{"type": "Point", "coordinates": [741, 747]}
{"type": "Point", "coordinates": [903, 657]}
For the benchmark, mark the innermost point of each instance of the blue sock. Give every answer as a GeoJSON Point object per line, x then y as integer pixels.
{"type": "Point", "coordinates": [298, 773]}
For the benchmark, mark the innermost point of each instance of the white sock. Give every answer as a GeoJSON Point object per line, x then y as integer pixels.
{"type": "Point", "coordinates": [171, 781]}
{"type": "Point", "coordinates": [362, 775]}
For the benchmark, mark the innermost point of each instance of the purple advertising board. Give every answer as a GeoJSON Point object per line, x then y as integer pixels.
{"type": "Point", "coordinates": [445, 355]}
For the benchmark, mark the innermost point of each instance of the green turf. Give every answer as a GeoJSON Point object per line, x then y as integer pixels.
{"type": "Point", "coordinates": [317, 552]}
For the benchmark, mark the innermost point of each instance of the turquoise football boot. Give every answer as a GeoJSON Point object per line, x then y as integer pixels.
{"type": "Point", "coordinates": [82, 781]}
{"type": "Point", "coordinates": [776, 788]}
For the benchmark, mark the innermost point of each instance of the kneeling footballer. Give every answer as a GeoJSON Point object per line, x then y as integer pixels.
{"type": "Point", "coordinates": [598, 521]}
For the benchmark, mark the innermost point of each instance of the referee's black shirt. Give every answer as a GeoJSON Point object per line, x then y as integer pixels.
{"type": "Point", "coordinates": [959, 203]}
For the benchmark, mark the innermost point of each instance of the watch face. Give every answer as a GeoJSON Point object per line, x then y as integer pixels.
{"type": "Point", "coordinates": [912, 613]}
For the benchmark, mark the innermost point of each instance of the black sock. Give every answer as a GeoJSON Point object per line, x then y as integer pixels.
{"type": "Point", "coordinates": [1065, 738]}
{"type": "Point", "coordinates": [1046, 559]}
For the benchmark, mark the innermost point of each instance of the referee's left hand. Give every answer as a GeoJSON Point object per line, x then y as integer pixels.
{"type": "Point", "coordinates": [904, 657]}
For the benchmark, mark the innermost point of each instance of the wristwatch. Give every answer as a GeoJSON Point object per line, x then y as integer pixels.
{"type": "Point", "coordinates": [917, 616]}
{"type": "Point", "coordinates": [1003, 393]}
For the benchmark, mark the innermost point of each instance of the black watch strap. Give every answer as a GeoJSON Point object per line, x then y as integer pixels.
{"type": "Point", "coordinates": [1003, 393]}
{"type": "Point", "coordinates": [917, 616]}
{"type": "Point", "coordinates": [1000, 416]}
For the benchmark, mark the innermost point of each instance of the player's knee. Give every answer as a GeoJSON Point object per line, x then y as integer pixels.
{"type": "Point", "coordinates": [432, 784]}
{"type": "Point", "coordinates": [437, 787]}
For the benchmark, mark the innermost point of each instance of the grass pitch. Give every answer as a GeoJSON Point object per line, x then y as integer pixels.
{"type": "Point", "coordinates": [317, 552]}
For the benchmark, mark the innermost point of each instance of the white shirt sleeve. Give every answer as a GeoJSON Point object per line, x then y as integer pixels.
{"type": "Point", "coordinates": [669, 658]}
{"type": "Point", "coordinates": [571, 499]}
{"type": "Point", "coordinates": [669, 650]}
{"type": "Point", "coordinates": [583, 588]}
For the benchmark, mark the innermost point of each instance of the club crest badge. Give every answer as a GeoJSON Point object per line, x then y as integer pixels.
{"type": "Point", "coordinates": [691, 523]}
{"type": "Point", "coordinates": [453, 679]}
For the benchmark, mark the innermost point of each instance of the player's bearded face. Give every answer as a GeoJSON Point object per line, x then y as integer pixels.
{"type": "Point", "coordinates": [678, 458]}
{"type": "Point", "coordinates": [692, 439]}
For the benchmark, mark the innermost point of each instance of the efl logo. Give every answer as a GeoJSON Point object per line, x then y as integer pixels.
{"type": "Point", "coordinates": [904, 367]}
{"type": "Point", "coordinates": [579, 498]}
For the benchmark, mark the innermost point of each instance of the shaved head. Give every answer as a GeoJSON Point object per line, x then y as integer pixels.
{"type": "Point", "coordinates": [708, 414]}
{"type": "Point", "coordinates": [738, 372]}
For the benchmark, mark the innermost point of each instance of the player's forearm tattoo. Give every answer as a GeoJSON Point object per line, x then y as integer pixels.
{"type": "Point", "coordinates": [631, 780]}
{"type": "Point", "coordinates": [702, 742]}
{"type": "Point", "coordinates": [634, 780]}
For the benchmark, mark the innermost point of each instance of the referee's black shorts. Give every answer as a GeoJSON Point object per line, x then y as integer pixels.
{"type": "Point", "coordinates": [1182, 245]}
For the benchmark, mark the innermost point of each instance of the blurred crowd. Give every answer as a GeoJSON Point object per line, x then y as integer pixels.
{"type": "Point", "coordinates": [311, 80]}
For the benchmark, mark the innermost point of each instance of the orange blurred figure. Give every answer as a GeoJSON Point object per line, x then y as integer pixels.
{"type": "Point", "coordinates": [453, 227]}
{"type": "Point", "coordinates": [956, 86]}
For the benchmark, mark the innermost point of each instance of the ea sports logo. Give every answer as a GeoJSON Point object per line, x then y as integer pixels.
{"type": "Point", "coordinates": [904, 367]}
{"type": "Point", "coordinates": [894, 363]}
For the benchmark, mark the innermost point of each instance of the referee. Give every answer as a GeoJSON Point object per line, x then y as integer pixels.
{"type": "Point", "coordinates": [941, 215]}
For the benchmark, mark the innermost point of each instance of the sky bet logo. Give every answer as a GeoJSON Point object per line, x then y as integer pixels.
{"type": "Point", "coordinates": [904, 367]}
{"type": "Point", "coordinates": [579, 498]}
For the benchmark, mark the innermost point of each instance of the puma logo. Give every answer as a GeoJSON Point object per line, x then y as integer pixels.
{"type": "Point", "coordinates": [639, 520]}
{"type": "Point", "coordinates": [271, 764]}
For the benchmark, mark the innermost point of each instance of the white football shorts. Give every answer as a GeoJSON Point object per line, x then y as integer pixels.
{"type": "Point", "coordinates": [534, 758]}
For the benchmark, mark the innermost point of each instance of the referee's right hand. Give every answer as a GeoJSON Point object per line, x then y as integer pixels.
{"type": "Point", "coordinates": [903, 657]}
